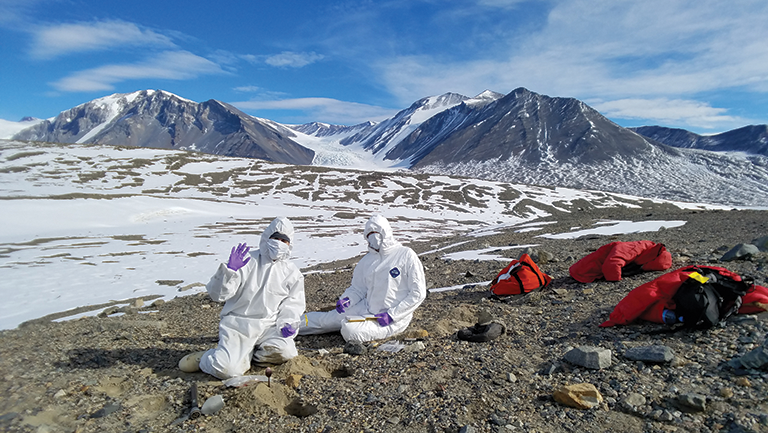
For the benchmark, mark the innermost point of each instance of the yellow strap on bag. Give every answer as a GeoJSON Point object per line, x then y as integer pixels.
{"type": "Point", "coordinates": [698, 277]}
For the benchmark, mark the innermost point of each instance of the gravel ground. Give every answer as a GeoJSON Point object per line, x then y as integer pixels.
{"type": "Point", "coordinates": [117, 373]}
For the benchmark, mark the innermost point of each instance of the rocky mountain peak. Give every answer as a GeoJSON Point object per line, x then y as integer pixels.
{"type": "Point", "coordinates": [160, 119]}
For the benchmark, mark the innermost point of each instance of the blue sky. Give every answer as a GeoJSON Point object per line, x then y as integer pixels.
{"type": "Point", "coordinates": [700, 65]}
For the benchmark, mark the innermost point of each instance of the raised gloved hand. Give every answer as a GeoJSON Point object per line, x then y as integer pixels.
{"type": "Point", "coordinates": [384, 318]}
{"type": "Point", "coordinates": [238, 257]}
{"type": "Point", "coordinates": [288, 330]}
{"type": "Point", "coordinates": [342, 305]}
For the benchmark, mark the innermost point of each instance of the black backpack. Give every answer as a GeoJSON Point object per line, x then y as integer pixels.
{"type": "Point", "coordinates": [707, 298]}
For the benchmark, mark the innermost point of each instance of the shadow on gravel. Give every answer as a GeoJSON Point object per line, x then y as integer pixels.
{"type": "Point", "coordinates": [198, 340]}
{"type": "Point", "coordinates": [156, 359]}
{"type": "Point", "coordinates": [321, 341]}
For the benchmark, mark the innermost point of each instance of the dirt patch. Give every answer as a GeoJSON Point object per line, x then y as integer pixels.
{"type": "Point", "coordinates": [254, 399]}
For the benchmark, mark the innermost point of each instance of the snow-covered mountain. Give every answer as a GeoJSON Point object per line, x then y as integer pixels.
{"type": "Point", "coordinates": [750, 139]}
{"type": "Point", "coordinates": [521, 137]}
{"type": "Point", "coordinates": [163, 120]}
{"type": "Point", "coordinates": [525, 137]}
{"type": "Point", "coordinates": [369, 144]}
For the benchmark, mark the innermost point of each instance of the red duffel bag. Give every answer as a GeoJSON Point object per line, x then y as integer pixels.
{"type": "Point", "coordinates": [520, 276]}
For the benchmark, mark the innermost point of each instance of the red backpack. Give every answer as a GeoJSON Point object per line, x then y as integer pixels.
{"type": "Point", "coordinates": [520, 276]}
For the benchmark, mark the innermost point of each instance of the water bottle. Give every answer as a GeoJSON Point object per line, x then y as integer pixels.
{"type": "Point", "coordinates": [668, 317]}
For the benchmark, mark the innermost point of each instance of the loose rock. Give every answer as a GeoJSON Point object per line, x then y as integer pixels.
{"type": "Point", "coordinates": [580, 396]}
{"type": "Point", "coordinates": [740, 252]}
{"type": "Point", "coordinates": [654, 354]}
{"type": "Point", "coordinates": [692, 402]}
{"type": "Point", "coordinates": [590, 357]}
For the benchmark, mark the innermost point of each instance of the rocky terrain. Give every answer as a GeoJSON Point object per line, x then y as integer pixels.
{"type": "Point", "coordinates": [118, 372]}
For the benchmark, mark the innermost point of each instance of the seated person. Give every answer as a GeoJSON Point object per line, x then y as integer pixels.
{"type": "Point", "coordinates": [387, 286]}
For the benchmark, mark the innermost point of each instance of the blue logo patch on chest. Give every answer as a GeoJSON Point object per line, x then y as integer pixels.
{"type": "Point", "coordinates": [394, 272]}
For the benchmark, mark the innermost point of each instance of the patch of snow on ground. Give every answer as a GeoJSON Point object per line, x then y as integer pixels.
{"type": "Point", "coordinates": [489, 253]}
{"type": "Point", "coordinates": [617, 227]}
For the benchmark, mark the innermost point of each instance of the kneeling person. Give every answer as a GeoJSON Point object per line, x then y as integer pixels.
{"type": "Point", "coordinates": [387, 286]}
{"type": "Point", "coordinates": [264, 299]}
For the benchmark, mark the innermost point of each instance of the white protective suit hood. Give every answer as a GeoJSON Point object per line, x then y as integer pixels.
{"type": "Point", "coordinates": [378, 223]}
{"type": "Point", "coordinates": [282, 225]}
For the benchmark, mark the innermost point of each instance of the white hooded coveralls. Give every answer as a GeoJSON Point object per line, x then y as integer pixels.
{"type": "Point", "coordinates": [260, 298]}
{"type": "Point", "coordinates": [390, 280]}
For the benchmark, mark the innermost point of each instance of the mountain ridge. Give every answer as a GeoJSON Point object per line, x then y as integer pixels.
{"type": "Point", "coordinates": [520, 137]}
{"type": "Point", "coordinates": [749, 139]}
{"type": "Point", "coordinates": [163, 120]}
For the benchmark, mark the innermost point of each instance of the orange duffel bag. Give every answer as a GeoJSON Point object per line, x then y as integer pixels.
{"type": "Point", "coordinates": [520, 276]}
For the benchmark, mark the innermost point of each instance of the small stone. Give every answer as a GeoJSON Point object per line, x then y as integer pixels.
{"type": "Point", "coordinates": [756, 358]}
{"type": "Point", "coordinates": [743, 381]}
{"type": "Point", "coordinates": [511, 377]}
{"type": "Point", "coordinates": [138, 303]}
{"type": "Point", "coordinates": [415, 347]}
{"type": "Point", "coordinates": [740, 252]}
{"type": "Point", "coordinates": [355, 348]}
{"type": "Point", "coordinates": [587, 291]}
{"type": "Point", "coordinates": [467, 429]}
{"type": "Point", "coordinates": [10, 416]}
{"type": "Point", "coordinates": [634, 400]}
{"type": "Point", "coordinates": [293, 380]}
{"type": "Point", "coordinates": [109, 311]}
{"type": "Point", "coordinates": [761, 243]}
{"type": "Point", "coordinates": [106, 410]}
{"type": "Point", "coordinates": [484, 317]}
{"type": "Point", "coordinates": [416, 334]}
{"type": "Point", "coordinates": [726, 392]}
{"type": "Point", "coordinates": [59, 394]}
{"type": "Point", "coordinates": [693, 402]}
{"type": "Point", "coordinates": [496, 420]}
{"type": "Point", "coordinates": [655, 354]}
{"type": "Point", "coordinates": [550, 369]}
{"type": "Point", "coordinates": [546, 256]}
{"type": "Point", "coordinates": [580, 396]}
{"type": "Point", "coordinates": [592, 357]}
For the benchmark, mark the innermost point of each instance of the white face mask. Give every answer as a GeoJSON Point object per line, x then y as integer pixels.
{"type": "Point", "coordinates": [374, 240]}
{"type": "Point", "coordinates": [278, 250]}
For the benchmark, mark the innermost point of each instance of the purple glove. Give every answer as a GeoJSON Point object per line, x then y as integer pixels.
{"type": "Point", "coordinates": [237, 258]}
{"type": "Point", "coordinates": [384, 318]}
{"type": "Point", "coordinates": [342, 305]}
{"type": "Point", "coordinates": [287, 330]}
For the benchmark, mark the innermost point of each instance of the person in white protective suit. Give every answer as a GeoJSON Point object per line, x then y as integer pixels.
{"type": "Point", "coordinates": [263, 295]}
{"type": "Point", "coordinates": [387, 286]}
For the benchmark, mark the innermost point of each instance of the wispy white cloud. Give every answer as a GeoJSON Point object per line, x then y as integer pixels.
{"type": "Point", "coordinates": [58, 40]}
{"type": "Point", "coordinates": [247, 89]}
{"type": "Point", "coordinates": [321, 109]}
{"type": "Point", "coordinates": [667, 111]}
{"type": "Point", "coordinates": [289, 59]}
{"type": "Point", "coordinates": [672, 50]}
{"type": "Point", "coordinates": [169, 65]}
